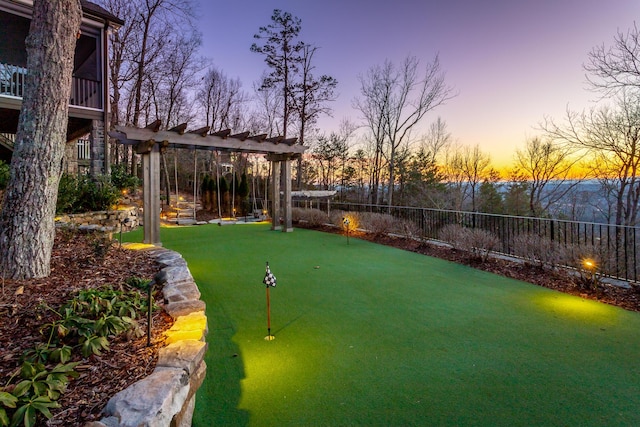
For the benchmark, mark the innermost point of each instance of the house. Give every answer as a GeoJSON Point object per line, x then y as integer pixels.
{"type": "Point", "coordinates": [87, 148]}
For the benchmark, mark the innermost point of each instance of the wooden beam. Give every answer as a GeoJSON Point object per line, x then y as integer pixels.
{"type": "Point", "coordinates": [275, 139]}
{"type": "Point", "coordinates": [155, 126]}
{"type": "Point", "coordinates": [202, 131]}
{"type": "Point", "coordinates": [222, 133]}
{"type": "Point", "coordinates": [122, 138]}
{"type": "Point", "coordinates": [241, 136]}
{"type": "Point", "coordinates": [280, 157]}
{"type": "Point", "coordinates": [187, 140]}
{"type": "Point", "coordinates": [144, 147]}
{"type": "Point", "coordinates": [179, 129]}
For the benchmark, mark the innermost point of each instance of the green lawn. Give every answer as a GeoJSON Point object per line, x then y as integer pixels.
{"type": "Point", "coordinates": [371, 335]}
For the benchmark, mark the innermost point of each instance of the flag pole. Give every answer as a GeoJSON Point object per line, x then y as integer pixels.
{"type": "Point", "coordinates": [268, 284]}
{"type": "Point", "coordinates": [269, 337]}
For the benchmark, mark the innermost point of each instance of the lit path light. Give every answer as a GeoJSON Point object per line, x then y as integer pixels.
{"type": "Point", "coordinates": [346, 222]}
{"type": "Point", "coordinates": [592, 268]}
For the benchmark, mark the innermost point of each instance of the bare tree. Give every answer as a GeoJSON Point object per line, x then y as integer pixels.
{"type": "Point", "coordinates": [548, 168]}
{"type": "Point", "coordinates": [437, 139]}
{"type": "Point", "coordinates": [139, 50]}
{"type": "Point", "coordinates": [267, 118]}
{"type": "Point", "coordinates": [395, 99]}
{"type": "Point", "coordinates": [611, 136]}
{"type": "Point", "coordinates": [27, 218]}
{"type": "Point", "coordinates": [617, 67]}
{"type": "Point", "coordinates": [222, 98]}
{"type": "Point", "coordinates": [173, 79]}
{"type": "Point", "coordinates": [311, 96]}
{"type": "Point", "coordinates": [475, 168]}
{"type": "Point", "coordinates": [331, 154]}
{"type": "Point", "coordinates": [452, 169]}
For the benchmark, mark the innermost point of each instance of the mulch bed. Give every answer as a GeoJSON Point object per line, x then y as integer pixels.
{"type": "Point", "coordinates": [78, 263]}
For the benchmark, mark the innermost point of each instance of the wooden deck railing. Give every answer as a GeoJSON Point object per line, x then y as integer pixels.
{"type": "Point", "coordinates": [84, 92]}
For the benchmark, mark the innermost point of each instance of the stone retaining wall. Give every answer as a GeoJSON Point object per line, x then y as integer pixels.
{"type": "Point", "coordinates": [109, 221]}
{"type": "Point", "coordinates": [167, 396]}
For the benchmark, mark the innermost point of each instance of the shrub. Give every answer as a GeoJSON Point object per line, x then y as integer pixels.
{"type": "Point", "coordinates": [313, 217]}
{"type": "Point", "coordinates": [4, 175]}
{"type": "Point", "coordinates": [452, 234]}
{"type": "Point", "coordinates": [83, 194]}
{"type": "Point", "coordinates": [539, 250]}
{"type": "Point", "coordinates": [482, 243]}
{"type": "Point", "coordinates": [407, 228]}
{"type": "Point", "coordinates": [67, 194]}
{"type": "Point", "coordinates": [377, 223]}
{"type": "Point", "coordinates": [123, 180]}
{"type": "Point", "coordinates": [336, 217]}
{"type": "Point", "coordinates": [479, 243]}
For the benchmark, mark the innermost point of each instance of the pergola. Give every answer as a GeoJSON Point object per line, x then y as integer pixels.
{"type": "Point", "coordinates": [150, 141]}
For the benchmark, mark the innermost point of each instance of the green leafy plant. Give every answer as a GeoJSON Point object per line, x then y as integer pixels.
{"type": "Point", "coordinates": [84, 323]}
{"type": "Point", "coordinates": [4, 174]}
{"type": "Point", "coordinates": [7, 401]}
{"type": "Point", "coordinates": [137, 282]}
{"type": "Point", "coordinates": [123, 180]}
{"type": "Point", "coordinates": [35, 394]}
{"type": "Point", "coordinates": [85, 194]}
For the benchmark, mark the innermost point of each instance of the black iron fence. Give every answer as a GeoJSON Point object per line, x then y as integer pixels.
{"type": "Point", "coordinates": [615, 248]}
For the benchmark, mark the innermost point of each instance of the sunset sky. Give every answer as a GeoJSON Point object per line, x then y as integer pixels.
{"type": "Point", "coordinates": [511, 62]}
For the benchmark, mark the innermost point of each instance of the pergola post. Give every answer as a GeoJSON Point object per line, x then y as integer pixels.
{"type": "Point", "coordinates": [275, 197]}
{"type": "Point", "coordinates": [151, 195]}
{"type": "Point", "coordinates": [286, 214]}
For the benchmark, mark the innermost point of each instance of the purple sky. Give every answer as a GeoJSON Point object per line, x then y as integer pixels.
{"type": "Point", "coordinates": [512, 62]}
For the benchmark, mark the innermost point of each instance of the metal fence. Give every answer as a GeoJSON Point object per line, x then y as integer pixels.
{"type": "Point", "coordinates": [614, 247]}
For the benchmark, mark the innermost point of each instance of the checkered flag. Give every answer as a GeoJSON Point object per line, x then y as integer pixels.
{"type": "Point", "coordinates": [269, 278]}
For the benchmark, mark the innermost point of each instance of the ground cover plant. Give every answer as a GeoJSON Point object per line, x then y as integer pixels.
{"type": "Point", "coordinates": [373, 335]}
{"type": "Point", "coordinates": [70, 341]}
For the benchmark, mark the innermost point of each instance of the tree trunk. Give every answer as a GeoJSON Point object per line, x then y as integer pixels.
{"type": "Point", "coordinates": [27, 219]}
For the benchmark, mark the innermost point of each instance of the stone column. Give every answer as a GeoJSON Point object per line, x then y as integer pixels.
{"type": "Point", "coordinates": [98, 148]}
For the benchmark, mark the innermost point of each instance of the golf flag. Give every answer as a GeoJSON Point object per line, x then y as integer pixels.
{"type": "Point", "coordinates": [270, 281]}
{"type": "Point", "coordinates": [269, 278]}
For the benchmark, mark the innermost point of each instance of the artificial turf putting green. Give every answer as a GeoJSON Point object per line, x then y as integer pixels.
{"type": "Point", "coordinates": [372, 335]}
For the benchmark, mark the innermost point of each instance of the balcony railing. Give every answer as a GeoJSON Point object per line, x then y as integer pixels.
{"type": "Point", "coordinates": [84, 92]}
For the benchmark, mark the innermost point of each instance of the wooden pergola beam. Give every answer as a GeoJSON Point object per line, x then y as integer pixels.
{"type": "Point", "coordinates": [179, 129]}
{"type": "Point", "coordinates": [239, 142]}
{"type": "Point", "coordinates": [204, 131]}
{"type": "Point", "coordinates": [222, 133]}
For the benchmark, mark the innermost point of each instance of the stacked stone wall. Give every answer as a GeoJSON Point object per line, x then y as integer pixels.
{"type": "Point", "coordinates": [166, 398]}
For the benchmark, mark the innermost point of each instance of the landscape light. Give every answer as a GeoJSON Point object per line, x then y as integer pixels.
{"type": "Point", "coordinates": [346, 222]}
{"type": "Point", "coordinates": [591, 266]}
{"type": "Point", "coordinates": [122, 223]}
